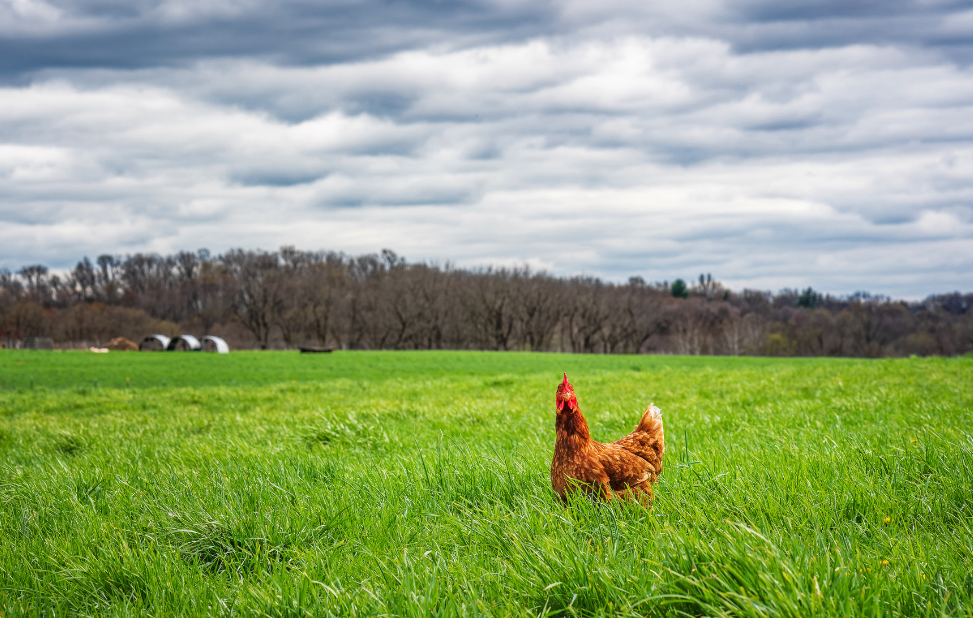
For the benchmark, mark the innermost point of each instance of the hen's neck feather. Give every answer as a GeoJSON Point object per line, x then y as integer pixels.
{"type": "Point", "coordinates": [571, 424]}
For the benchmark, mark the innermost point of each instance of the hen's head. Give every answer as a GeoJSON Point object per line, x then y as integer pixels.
{"type": "Point", "coordinates": [565, 399]}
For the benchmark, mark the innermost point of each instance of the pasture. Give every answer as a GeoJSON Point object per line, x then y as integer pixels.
{"type": "Point", "coordinates": [416, 484]}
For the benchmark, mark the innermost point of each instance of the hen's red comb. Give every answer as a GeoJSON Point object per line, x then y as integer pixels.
{"type": "Point", "coordinates": [566, 383]}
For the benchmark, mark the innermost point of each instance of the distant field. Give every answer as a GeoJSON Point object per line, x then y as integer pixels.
{"type": "Point", "coordinates": [387, 483]}
{"type": "Point", "coordinates": [77, 369]}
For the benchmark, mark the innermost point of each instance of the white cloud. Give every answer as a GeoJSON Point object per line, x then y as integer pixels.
{"type": "Point", "coordinates": [844, 168]}
{"type": "Point", "coordinates": [29, 10]}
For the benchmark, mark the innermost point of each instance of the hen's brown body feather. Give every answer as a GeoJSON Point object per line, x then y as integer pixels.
{"type": "Point", "coordinates": [626, 467]}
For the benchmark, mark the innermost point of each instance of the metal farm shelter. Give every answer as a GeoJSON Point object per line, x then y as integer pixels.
{"type": "Point", "coordinates": [154, 343]}
{"type": "Point", "coordinates": [215, 344]}
{"type": "Point", "coordinates": [184, 343]}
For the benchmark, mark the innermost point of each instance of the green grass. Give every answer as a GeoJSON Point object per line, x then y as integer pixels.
{"type": "Point", "coordinates": [59, 369]}
{"type": "Point", "coordinates": [417, 484]}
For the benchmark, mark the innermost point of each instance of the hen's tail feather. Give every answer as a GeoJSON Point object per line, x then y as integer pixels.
{"type": "Point", "coordinates": [647, 440]}
{"type": "Point", "coordinates": [651, 422]}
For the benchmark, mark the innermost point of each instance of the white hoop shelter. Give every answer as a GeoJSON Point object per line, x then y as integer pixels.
{"type": "Point", "coordinates": [215, 344]}
{"type": "Point", "coordinates": [154, 343]}
{"type": "Point", "coordinates": [184, 343]}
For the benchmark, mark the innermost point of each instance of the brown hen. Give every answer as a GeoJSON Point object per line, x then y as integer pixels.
{"type": "Point", "coordinates": [626, 467]}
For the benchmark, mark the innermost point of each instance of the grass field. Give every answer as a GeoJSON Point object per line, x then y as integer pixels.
{"type": "Point", "coordinates": [360, 483]}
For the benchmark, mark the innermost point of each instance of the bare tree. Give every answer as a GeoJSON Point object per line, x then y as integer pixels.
{"type": "Point", "coordinates": [381, 301]}
{"type": "Point", "coordinates": [586, 313]}
{"type": "Point", "coordinates": [490, 301]}
{"type": "Point", "coordinates": [108, 278]}
{"type": "Point", "coordinates": [540, 309]}
{"type": "Point", "coordinates": [634, 315]}
{"type": "Point", "coordinates": [328, 287]}
{"type": "Point", "coordinates": [743, 334]}
{"type": "Point", "coordinates": [256, 289]}
{"type": "Point", "coordinates": [37, 286]}
{"type": "Point", "coordinates": [138, 271]}
{"type": "Point", "coordinates": [83, 280]}
{"type": "Point", "coordinates": [871, 324]}
{"type": "Point", "coordinates": [437, 302]}
{"type": "Point", "coordinates": [698, 324]}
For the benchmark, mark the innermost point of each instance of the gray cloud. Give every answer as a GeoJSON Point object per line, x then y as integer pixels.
{"type": "Point", "coordinates": [70, 34]}
{"type": "Point", "coordinates": [727, 140]}
{"type": "Point", "coordinates": [129, 35]}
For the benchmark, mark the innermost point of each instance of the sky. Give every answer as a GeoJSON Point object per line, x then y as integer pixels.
{"type": "Point", "coordinates": [774, 145]}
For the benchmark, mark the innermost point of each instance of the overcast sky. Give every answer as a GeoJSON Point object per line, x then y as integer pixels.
{"type": "Point", "coordinates": [773, 144]}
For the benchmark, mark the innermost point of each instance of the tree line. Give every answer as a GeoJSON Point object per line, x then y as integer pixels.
{"type": "Point", "coordinates": [289, 298]}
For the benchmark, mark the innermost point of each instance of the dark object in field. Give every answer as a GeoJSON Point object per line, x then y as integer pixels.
{"type": "Point", "coordinates": [121, 344]}
{"type": "Point", "coordinates": [625, 468]}
{"type": "Point", "coordinates": [154, 343]}
{"type": "Point", "coordinates": [184, 343]}
{"type": "Point", "coordinates": [311, 349]}
{"type": "Point", "coordinates": [37, 343]}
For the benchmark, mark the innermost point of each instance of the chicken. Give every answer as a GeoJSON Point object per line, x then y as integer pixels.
{"type": "Point", "coordinates": [625, 468]}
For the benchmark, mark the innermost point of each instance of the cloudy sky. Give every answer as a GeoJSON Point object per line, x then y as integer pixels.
{"type": "Point", "coordinates": [773, 144]}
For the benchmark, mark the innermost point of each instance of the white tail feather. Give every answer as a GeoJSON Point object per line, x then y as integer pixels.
{"type": "Point", "coordinates": [650, 418]}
